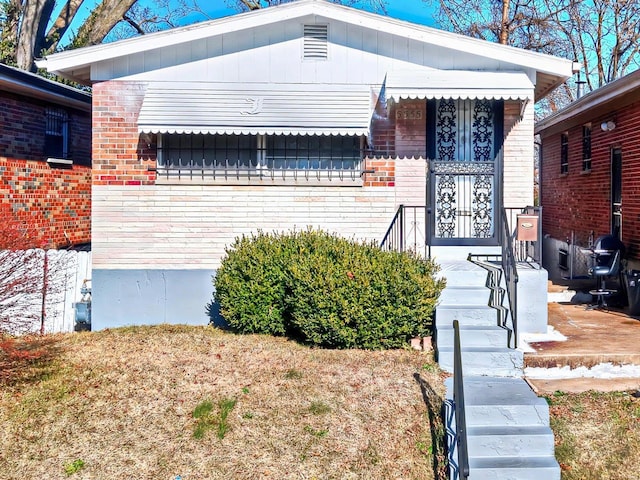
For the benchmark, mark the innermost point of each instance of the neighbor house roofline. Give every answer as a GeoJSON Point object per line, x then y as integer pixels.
{"type": "Point", "coordinates": [622, 91]}
{"type": "Point", "coordinates": [76, 64]}
{"type": "Point", "coordinates": [29, 84]}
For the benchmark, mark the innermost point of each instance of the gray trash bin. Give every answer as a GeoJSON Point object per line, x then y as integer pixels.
{"type": "Point", "coordinates": [632, 282]}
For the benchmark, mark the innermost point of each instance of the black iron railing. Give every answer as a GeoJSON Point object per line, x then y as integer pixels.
{"type": "Point", "coordinates": [407, 231]}
{"type": "Point", "coordinates": [458, 401]}
{"type": "Point", "coordinates": [510, 269]}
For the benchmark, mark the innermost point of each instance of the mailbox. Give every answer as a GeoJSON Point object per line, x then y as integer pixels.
{"type": "Point", "coordinates": [527, 230]}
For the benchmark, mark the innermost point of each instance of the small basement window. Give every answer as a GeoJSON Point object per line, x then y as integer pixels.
{"type": "Point", "coordinates": [564, 153]}
{"type": "Point", "coordinates": [586, 148]}
{"type": "Point", "coordinates": [56, 140]}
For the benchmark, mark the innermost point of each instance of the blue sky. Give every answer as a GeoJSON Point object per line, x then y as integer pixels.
{"type": "Point", "coordinates": [410, 10]}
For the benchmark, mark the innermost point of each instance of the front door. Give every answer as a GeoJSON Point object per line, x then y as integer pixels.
{"type": "Point", "coordinates": [616, 192]}
{"type": "Point", "coordinates": [464, 145]}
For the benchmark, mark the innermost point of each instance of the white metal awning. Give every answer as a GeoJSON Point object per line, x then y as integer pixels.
{"type": "Point", "coordinates": [458, 84]}
{"type": "Point", "coordinates": [296, 109]}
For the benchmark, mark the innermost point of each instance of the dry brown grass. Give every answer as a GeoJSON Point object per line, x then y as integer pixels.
{"type": "Point", "coordinates": [119, 403]}
{"type": "Point", "coordinates": [597, 435]}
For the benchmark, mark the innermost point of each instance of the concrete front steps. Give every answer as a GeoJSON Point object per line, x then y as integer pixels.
{"type": "Point", "coordinates": [508, 434]}
{"type": "Point", "coordinates": [484, 344]}
{"type": "Point", "coordinates": [508, 430]}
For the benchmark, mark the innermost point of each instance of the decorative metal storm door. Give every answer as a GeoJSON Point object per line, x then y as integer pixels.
{"type": "Point", "coordinates": [464, 148]}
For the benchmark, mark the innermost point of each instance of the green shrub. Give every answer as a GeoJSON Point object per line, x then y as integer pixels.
{"type": "Point", "coordinates": [250, 285]}
{"type": "Point", "coordinates": [326, 290]}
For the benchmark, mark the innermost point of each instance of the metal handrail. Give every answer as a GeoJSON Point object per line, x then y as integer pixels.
{"type": "Point", "coordinates": [394, 237]}
{"type": "Point", "coordinates": [493, 264]}
{"type": "Point", "coordinates": [509, 267]}
{"type": "Point", "coordinates": [458, 401]}
{"type": "Point", "coordinates": [402, 234]}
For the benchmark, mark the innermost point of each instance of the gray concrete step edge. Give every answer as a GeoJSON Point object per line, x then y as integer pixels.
{"type": "Point", "coordinates": [466, 315]}
{"type": "Point", "coordinates": [500, 441]}
{"type": "Point", "coordinates": [473, 336]}
{"type": "Point", "coordinates": [520, 468]}
{"type": "Point", "coordinates": [490, 361]}
{"type": "Point", "coordinates": [466, 295]}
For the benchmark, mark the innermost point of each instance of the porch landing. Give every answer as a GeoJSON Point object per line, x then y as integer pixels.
{"type": "Point", "coordinates": [600, 351]}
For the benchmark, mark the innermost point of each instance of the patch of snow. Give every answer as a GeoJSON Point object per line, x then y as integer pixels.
{"type": "Point", "coordinates": [551, 335]}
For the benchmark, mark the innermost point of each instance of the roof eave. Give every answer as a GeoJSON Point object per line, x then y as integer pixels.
{"type": "Point", "coordinates": [596, 99]}
{"type": "Point", "coordinates": [80, 60]}
{"type": "Point", "coordinates": [25, 83]}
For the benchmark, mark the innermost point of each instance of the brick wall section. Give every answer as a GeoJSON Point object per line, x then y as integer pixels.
{"type": "Point", "coordinates": [23, 122]}
{"type": "Point", "coordinates": [581, 201]}
{"type": "Point", "coordinates": [383, 131]}
{"type": "Point", "coordinates": [189, 226]}
{"type": "Point", "coordinates": [120, 157]}
{"type": "Point", "coordinates": [411, 128]}
{"type": "Point", "coordinates": [518, 154]}
{"type": "Point", "coordinates": [54, 203]}
{"type": "Point", "coordinates": [384, 175]}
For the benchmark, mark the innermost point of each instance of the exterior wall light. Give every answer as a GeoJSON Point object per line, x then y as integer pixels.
{"type": "Point", "coordinates": [608, 126]}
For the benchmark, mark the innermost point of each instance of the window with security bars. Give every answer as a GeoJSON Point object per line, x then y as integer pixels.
{"type": "Point", "coordinates": [56, 141]}
{"type": "Point", "coordinates": [258, 155]}
{"type": "Point", "coordinates": [586, 148]}
{"type": "Point", "coordinates": [564, 153]}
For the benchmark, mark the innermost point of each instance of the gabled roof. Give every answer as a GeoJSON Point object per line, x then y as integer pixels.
{"type": "Point", "coordinates": [76, 64]}
{"type": "Point", "coordinates": [32, 85]}
{"type": "Point", "coordinates": [614, 95]}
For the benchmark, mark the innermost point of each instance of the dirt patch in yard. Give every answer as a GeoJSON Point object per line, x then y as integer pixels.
{"type": "Point", "coordinates": [120, 404]}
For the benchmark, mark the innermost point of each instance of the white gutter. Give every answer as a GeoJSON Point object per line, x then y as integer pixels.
{"type": "Point", "coordinates": [29, 84]}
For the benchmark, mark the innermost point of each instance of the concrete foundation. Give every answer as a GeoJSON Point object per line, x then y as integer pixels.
{"type": "Point", "coordinates": [150, 297]}
{"type": "Point", "coordinates": [532, 299]}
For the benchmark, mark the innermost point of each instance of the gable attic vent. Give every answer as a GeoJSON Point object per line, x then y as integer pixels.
{"type": "Point", "coordinates": [315, 42]}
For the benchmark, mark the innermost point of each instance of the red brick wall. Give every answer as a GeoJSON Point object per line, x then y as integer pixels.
{"type": "Point", "coordinates": [581, 201]}
{"type": "Point", "coordinates": [383, 134]}
{"type": "Point", "coordinates": [411, 128]}
{"type": "Point", "coordinates": [120, 157]}
{"type": "Point", "coordinates": [53, 203]}
{"type": "Point", "coordinates": [384, 175]}
{"type": "Point", "coordinates": [23, 125]}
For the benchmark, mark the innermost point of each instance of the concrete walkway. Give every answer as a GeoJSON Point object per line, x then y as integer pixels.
{"type": "Point", "coordinates": [601, 351]}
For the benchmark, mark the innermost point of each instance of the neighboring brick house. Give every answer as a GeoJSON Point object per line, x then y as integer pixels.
{"type": "Point", "coordinates": [45, 158]}
{"type": "Point", "coordinates": [590, 175]}
{"type": "Point", "coordinates": [304, 114]}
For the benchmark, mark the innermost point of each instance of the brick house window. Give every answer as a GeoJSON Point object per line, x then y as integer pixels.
{"type": "Point", "coordinates": [279, 156]}
{"type": "Point", "coordinates": [56, 140]}
{"type": "Point", "coordinates": [586, 148]}
{"type": "Point", "coordinates": [564, 153]}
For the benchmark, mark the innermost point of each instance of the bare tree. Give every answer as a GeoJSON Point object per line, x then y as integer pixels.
{"type": "Point", "coordinates": [31, 278]}
{"type": "Point", "coordinates": [20, 276]}
{"type": "Point", "coordinates": [602, 35]}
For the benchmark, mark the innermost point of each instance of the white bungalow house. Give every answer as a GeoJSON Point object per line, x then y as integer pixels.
{"type": "Point", "coordinates": [304, 114]}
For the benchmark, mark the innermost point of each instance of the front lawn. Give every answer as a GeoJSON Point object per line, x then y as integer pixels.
{"type": "Point", "coordinates": [597, 434]}
{"type": "Point", "coordinates": [195, 402]}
